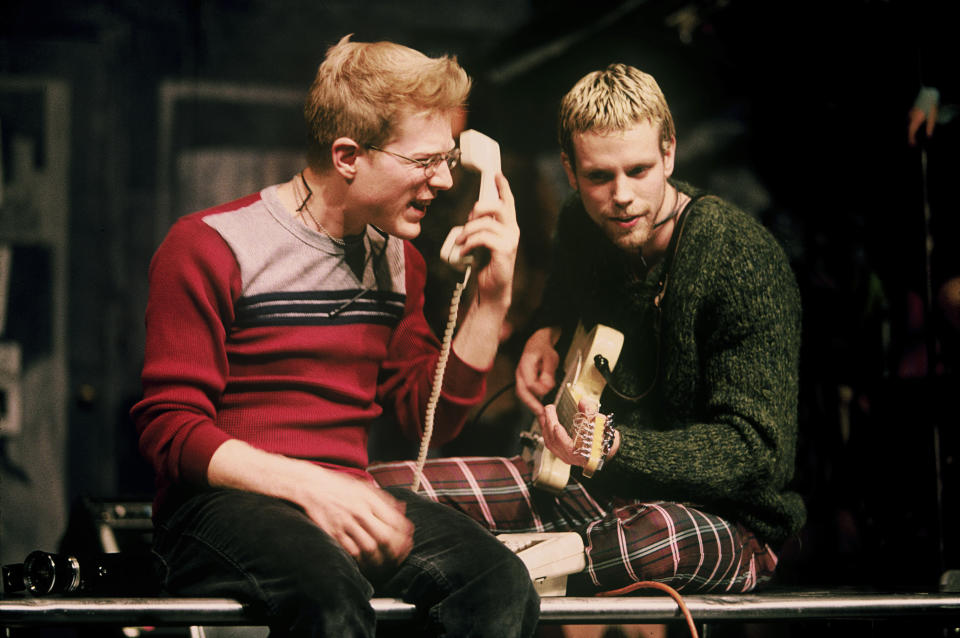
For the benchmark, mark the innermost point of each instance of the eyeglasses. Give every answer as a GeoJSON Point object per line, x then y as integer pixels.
{"type": "Point", "coordinates": [430, 164]}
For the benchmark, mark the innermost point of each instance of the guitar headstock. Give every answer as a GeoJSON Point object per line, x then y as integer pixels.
{"type": "Point", "coordinates": [592, 437]}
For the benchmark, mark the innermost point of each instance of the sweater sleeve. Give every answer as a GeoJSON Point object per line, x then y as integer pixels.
{"type": "Point", "coordinates": [407, 374]}
{"type": "Point", "coordinates": [193, 279]}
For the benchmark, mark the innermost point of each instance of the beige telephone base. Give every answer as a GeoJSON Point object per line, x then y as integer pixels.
{"type": "Point", "coordinates": [550, 557]}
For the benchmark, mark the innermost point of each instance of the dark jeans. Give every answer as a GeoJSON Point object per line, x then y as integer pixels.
{"type": "Point", "coordinates": [267, 553]}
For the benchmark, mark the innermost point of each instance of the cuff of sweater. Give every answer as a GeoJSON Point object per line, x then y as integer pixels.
{"type": "Point", "coordinates": [198, 449]}
{"type": "Point", "coordinates": [463, 382]}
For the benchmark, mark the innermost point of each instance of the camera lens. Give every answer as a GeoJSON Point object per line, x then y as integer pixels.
{"type": "Point", "coordinates": [45, 573]}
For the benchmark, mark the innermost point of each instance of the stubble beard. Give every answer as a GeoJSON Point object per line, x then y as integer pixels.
{"type": "Point", "coordinates": [633, 240]}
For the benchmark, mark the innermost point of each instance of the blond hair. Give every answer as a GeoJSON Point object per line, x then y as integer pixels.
{"type": "Point", "coordinates": [363, 89]}
{"type": "Point", "coordinates": [613, 99]}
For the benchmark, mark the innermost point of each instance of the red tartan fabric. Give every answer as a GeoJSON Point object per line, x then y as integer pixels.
{"type": "Point", "coordinates": [626, 541]}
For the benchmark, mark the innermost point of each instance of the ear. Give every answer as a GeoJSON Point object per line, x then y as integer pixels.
{"type": "Point", "coordinates": [344, 153]}
{"type": "Point", "coordinates": [669, 157]}
{"type": "Point", "coordinates": [569, 170]}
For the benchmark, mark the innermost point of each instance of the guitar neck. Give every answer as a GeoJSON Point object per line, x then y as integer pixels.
{"type": "Point", "coordinates": [567, 406]}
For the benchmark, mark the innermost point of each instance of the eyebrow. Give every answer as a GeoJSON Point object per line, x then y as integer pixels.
{"type": "Point", "coordinates": [604, 170]}
{"type": "Point", "coordinates": [427, 154]}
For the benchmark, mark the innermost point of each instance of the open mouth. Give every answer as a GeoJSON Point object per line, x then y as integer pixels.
{"type": "Point", "coordinates": [421, 205]}
{"type": "Point", "coordinates": [625, 221]}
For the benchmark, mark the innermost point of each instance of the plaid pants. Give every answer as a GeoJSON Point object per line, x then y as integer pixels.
{"type": "Point", "coordinates": [626, 540]}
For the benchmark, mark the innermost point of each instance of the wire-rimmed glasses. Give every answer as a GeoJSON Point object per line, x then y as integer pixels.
{"type": "Point", "coordinates": [429, 164]}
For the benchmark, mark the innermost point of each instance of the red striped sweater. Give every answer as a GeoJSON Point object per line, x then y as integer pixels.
{"type": "Point", "coordinates": [255, 331]}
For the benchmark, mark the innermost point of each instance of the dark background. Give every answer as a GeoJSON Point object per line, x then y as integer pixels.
{"type": "Point", "coordinates": [796, 111]}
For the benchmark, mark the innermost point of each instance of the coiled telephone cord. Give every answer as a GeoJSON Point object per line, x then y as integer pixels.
{"type": "Point", "coordinates": [438, 379]}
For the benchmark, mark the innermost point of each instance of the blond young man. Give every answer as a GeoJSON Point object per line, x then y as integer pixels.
{"type": "Point", "coordinates": [692, 491]}
{"type": "Point", "coordinates": [280, 325]}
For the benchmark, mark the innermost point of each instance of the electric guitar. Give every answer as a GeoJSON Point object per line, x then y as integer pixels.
{"type": "Point", "coordinates": [582, 382]}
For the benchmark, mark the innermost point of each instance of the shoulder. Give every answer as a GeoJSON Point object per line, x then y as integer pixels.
{"type": "Point", "coordinates": [733, 257]}
{"type": "Point", "coordinates": [198, 237]}
{"type": "Point", "coordinates": [198, 223]}
{"type": "Point", "coordinates": [727, 232]}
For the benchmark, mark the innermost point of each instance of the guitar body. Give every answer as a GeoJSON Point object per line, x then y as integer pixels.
{"type": "Point", "coordinates": [581, 381]}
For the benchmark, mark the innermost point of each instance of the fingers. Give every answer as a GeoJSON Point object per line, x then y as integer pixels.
{"type": "Point", "coordinates": [382, 542]}
{"type": "Point", "coordinates": [555, 437]}
{"type": "Point", "coordinates": [588, 405]}
{"type": "Point", "coordinates": [524, 390]}
{"type": "Point", "coordinates": [536, 369]}
{"type": "Point", "coordinates": [492, 230]}
{"type": "Point", "coordinates": [502, 210]}
{"type": "Point", "coordinates": [388, 509]}
{"type": "Point", "coordinates": [533, 381]}
{"type": "Point", "coordinates": [493, 224]}
{"type": "Point", "coordinates": [367, 522]}
{"type": "Point", "coordinates": [506, 194]}
{"type": "Point", "coordinates": [488, 232]}
{"type": "Point", "coordinates": [373, 544]}
{"type": "Point", "coordinates": [387, 534]}
{"type": "Point", "coordinates": [919, 118]}
{"type": "Point", "coordinates": [916, 119]}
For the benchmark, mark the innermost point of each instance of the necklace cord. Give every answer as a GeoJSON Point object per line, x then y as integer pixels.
{"type": "Point", "coordinates": [304, 208]}
{"type": "Point", "coordinates": [601, 363]}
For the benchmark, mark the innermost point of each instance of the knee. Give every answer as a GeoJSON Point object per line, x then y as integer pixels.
{"type": "Point", "coordinates": [340, 609]}
{"type": "Point", "coordinates": [516, 578]}
{"type": "Point", "coordinates": [526, 612]}
{"type": "Point", "coordinates": [318, 591]}
{"type": "Point", "coordinates": [486, 592]}
{"type": "Point", "coordinates": [507, 601]}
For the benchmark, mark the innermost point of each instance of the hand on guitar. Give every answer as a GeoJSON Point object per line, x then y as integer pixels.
{"type": "Point", "coordinates": [569, 431]}
{"type": "Point", "coordinates": [535, 375]}
{"type": "Point", "coordinates": [561, 444]}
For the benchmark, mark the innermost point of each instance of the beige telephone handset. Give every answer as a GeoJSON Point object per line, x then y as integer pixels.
{"type": "Point", "coordinates": [481, 154]}
{"type": "Point", "coordinates": [477, 153]}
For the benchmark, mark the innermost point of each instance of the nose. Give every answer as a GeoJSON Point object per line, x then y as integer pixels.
{"type": "Point", "coordinates": [622, 194]}
{"type": "Point", "coordinates": [442, 178]}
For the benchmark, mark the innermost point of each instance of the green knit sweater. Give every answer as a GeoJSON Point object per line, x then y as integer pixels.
{"type": "Point", "coordinates": [718, 429]}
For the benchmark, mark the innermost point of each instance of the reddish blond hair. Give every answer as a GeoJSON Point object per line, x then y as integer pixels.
{"type": "Point", "coordinates": [362, 89]}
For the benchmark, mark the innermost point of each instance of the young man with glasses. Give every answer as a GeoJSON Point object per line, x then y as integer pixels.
{"type": "Point", "coordinates": [693, 491]}
{"type": "Point", "coordinates": [280, 325]}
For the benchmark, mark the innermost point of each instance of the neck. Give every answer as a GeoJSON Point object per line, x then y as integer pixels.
{"type": "Point", "coordinates": [666, 220]}
{"type": "Point", "coordinates": [318, 204]}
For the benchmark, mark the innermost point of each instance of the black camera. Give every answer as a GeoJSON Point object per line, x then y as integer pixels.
{"type": "Point", "coordinates": [117, 574]}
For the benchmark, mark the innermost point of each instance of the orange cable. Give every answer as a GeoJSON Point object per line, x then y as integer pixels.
{"type": "Point", "coordinates": [650, 584]}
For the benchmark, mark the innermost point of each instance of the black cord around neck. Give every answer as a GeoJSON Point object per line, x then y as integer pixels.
{"type": "Point", "coordinates": [601, 362]}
